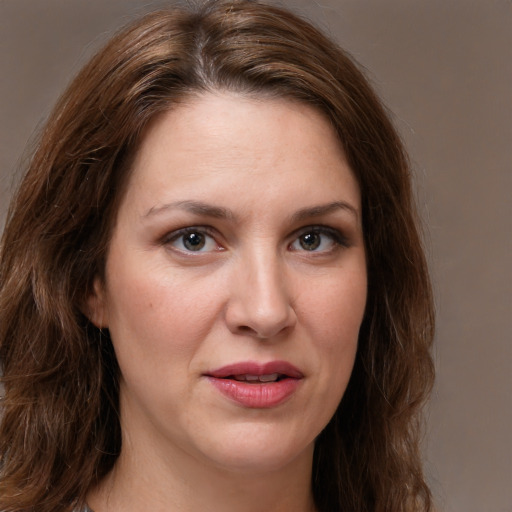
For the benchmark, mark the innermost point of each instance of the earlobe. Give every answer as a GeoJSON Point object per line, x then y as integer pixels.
{"type": "Point", "coordinates": [96, 305]}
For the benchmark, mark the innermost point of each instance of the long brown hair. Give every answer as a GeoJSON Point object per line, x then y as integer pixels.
{"type": "Point", "coordinates": [60, 432]}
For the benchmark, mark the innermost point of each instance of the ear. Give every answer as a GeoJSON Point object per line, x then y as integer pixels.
{"type": "Point", "coordinates": [96, 305]}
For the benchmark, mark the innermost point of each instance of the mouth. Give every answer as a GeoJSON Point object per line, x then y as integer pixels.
{"type": "Point", "coordinates": [253, 372]}
{"type": "Point", "coordinates": [257, 379]}
{"type": "Point", "coordinates": [257, 386]}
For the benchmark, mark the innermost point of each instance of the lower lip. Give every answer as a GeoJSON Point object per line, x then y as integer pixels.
{"type": "Point", "coordinates": [256, 396]}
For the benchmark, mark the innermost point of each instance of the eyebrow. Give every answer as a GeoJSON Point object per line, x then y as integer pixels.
{"type": "Point", "coordinates": [195, 207]}
{"type": "Point", "coordinates": [218, 212]}
{"type": "Point", "coordinates": [324, 209]}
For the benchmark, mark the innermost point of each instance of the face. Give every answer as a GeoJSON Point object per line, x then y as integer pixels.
{"type": "Point", "coordinates": [235, 283]}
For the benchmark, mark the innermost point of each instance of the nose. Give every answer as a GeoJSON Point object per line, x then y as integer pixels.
{"type": "Point", "coordinates": [259, 304]}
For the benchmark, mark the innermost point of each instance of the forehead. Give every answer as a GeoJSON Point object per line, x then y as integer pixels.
{"type": "Point", "coordinates": [219, 143]}
{"type": "Point", "coordinates": [229, 121]}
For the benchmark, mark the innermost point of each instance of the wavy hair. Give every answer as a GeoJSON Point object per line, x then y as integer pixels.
{"type": "Point", "coordinates": [60, 431]}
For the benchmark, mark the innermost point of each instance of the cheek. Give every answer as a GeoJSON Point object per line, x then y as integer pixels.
{"type": "Point", "coordinates": [332, 314]}
{"type": "Point", "coordinates": [154, 312]}
{"type": "Point", "coordinates": [335, 315]}
{"type": "Point", "coordinates": [336, 309]}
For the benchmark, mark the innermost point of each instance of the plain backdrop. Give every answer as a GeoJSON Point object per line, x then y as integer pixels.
{"type": "Point", "coordinates": [444, 67]}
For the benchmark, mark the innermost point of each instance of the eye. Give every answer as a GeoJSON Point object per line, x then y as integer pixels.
{"type": "Point", "coordinates": [192, 240]}
{"type": "Point", "coordinates": [318, 239]}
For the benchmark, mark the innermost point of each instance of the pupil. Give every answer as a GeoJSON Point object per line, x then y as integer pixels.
{"type": "Point", "coordinates": [194, 241]}
{"type": "Point", "coordinates": [310, 241]}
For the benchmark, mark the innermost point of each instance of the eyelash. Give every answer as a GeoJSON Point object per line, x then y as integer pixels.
{"type": "Point", "coordinates": [180, 233]}
{"type": "Point", "coordinates": [338, 239]}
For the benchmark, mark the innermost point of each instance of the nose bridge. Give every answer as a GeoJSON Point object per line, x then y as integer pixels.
{"type": "Point", "coordinates": [260, 302]}
{"type": "Point", "coordinates": [267, 283]}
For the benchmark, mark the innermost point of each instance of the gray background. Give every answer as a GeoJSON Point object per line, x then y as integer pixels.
{"type": "Point", "coordinates": [444, 67]}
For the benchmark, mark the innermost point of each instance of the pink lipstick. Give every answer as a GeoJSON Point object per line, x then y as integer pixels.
{"type": "Point", "coordinates": [257, 386]}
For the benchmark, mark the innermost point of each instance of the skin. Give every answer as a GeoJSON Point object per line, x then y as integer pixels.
{"type": "Point", "coordinates": [268, 283]}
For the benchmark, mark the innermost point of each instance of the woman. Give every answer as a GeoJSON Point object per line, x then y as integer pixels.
{"type": "Point", "coordinates": [213, 292]}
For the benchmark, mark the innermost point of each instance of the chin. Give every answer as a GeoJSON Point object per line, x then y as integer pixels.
{"type": "Point", "coordinates": [250, 452]}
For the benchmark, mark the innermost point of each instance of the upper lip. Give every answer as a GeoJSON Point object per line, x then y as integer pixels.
{"type": "Point", "coordinates": [258, 369]}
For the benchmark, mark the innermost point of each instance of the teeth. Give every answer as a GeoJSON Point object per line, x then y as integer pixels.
{"type": "Point", "coordinates": [271, 377]}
